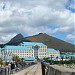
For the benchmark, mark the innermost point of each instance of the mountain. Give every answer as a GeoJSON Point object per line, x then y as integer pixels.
{"type": "Point", "coordinates": [50, 41]}
{"type": "Point", "coordinates": [16, 40]}
{"type": "Point", "coordinates": [1, 45]}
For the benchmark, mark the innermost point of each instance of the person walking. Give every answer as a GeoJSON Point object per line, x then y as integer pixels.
{"type": "Point", "coordinates": [43, 67]}
{"type": "Point", "coordinates": [12, 67]}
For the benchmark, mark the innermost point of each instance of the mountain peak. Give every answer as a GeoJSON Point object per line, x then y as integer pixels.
{"type": "Point", "coordinates": [52, 42]}
{"type": "Point", "coordinates": [17, 37]}
{"type": "Point", "coordinates": [48, 40]}
{"type": "Point", "coordinates": [20, 35]}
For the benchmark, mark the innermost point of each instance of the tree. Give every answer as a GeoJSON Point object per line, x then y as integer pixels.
{"type": "Point", "coordinates": [22, 59]}
{"type": "Point", "coordinates": [16, 58]}
{"type": "Point", "coordinates": [1, 61]}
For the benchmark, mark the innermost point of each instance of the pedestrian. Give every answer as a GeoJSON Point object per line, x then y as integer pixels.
{"type": "Point", "coordinates": [12, 67]}
{"type": "Point", "coordinates": [43, 67]}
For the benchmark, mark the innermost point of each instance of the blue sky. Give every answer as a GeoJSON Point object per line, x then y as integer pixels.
{"type": "Point", "coordinates": [31, 17]}
{"type": "Point", "coordinates": [70, 5]}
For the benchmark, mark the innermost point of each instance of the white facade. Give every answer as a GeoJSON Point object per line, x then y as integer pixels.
{"type": "Point", "coordinates": [43, 52]}
{"type": "Point", "coordinates": [21, 51]}
{"type": "Point", "coordinates": [53, 53]}
{"type": "Point", "coordinates": [0, 53]}
{"type": "Point", "coordinates": [29, 49]}
{"type": "Point", "coordinates": [40, 50]}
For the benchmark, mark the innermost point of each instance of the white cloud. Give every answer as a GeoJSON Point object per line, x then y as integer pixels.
{"type": "Point", "coordinates": [5, 38]}
{"type": "Point", "coordinates": [70, 37]}
{"type": "Point", "coordinates": [34, 16]}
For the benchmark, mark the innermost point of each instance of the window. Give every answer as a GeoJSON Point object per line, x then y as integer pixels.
{"type": "Point", "coordinates": [36, 47]}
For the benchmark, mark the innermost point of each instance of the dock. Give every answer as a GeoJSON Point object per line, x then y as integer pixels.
{"type": "Point", "coordinates": [32, 70]}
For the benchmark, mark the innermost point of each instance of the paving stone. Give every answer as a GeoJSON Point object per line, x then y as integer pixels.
{"type": "Point", "coordinates": [31, 70]}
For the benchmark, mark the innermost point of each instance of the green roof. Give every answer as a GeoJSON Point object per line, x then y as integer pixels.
{"type": "Point", "coordinates": [34, 43]}
{"type": "Point", "coordinates": [52, 50]}
{"type": "Point", "coordinates": [67, 55]}
{"type": "Point", "coordinates": [17, 48]}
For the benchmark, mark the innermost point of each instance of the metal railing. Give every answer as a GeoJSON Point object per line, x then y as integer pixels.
{"type": "Point", "coordinates": [7, 70]}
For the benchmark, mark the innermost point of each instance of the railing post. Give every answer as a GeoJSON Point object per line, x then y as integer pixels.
{"type": "Point", "coordinates": [43, 68]}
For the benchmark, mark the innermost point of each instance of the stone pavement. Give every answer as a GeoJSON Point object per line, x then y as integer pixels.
{"type": "Point", "coordinates": [32, 70]}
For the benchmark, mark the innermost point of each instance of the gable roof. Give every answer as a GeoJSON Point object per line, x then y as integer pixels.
{"type": "Point", "coordinates": [34, 43]}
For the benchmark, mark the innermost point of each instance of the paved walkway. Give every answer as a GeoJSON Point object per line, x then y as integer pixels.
{"type": "Point", "coordinates": [33, 70]}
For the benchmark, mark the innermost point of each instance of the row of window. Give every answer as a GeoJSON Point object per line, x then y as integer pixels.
{"type": "Point", "coordinates": [42, 56]}
{"type": "Point", "coordinates": [53, 53]}
{"type": "Point", "coordinates": [43, 50]}
{"type": "Point", "coordinates": [43, 47]}
{"type": "Point", "coordinates": [30, 46]}
{"type": "Point", "coordinates": [21, 51]}
{"type": "Point", "coordinates": [25, 54]}
{"type": "Point", "coordinates": [42, 53]}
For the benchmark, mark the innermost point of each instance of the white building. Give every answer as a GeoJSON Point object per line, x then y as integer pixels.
{"type": "Point", "coordinates": [29, 50]}
{"type": "Point", "coordinates": [0, 53]}
{"type": "Point", "coordinates": [21, 51]}
{"type": "Point", "coordinates": [53, 53]}
{"type": "Point", "coordinates": [40, 49]}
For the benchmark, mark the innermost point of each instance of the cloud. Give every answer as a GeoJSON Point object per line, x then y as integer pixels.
{"type": "Point", "coordinates": [71, 5]}
{"type": "Point", "coordinates": [70, 37]}
{"type": "Point", "coordinates": [33, 16]}
{"type": "Point", "coordinates": [4, 38]}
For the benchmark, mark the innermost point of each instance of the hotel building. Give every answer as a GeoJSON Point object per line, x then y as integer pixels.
{"type": "Point", "coordinates": [53, 52]}
{"type": "Point", "coordinates": [40, 49]}
{"type": "Point", "coordinates": [0, 53]}
{"type": "Point", "coordinates": [9, 51]}
{"type": "Point", "coordinates": [29, 50]}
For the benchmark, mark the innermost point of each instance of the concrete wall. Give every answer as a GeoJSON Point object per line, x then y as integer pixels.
{"type": "Point", "coordinates": [58, 70]}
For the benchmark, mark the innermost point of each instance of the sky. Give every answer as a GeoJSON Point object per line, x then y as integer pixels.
{"type": "Point", "coordinates": [30, 17]}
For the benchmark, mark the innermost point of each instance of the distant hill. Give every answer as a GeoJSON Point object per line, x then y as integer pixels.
{"type": "Point", "coordinates": [50, 41]}
{"type": "Point", "coordinates": [1, 45]}
{"type": "Point", "coordinates": [16, 40]}
{"type": "Point", "coordinates": [17, 37]}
